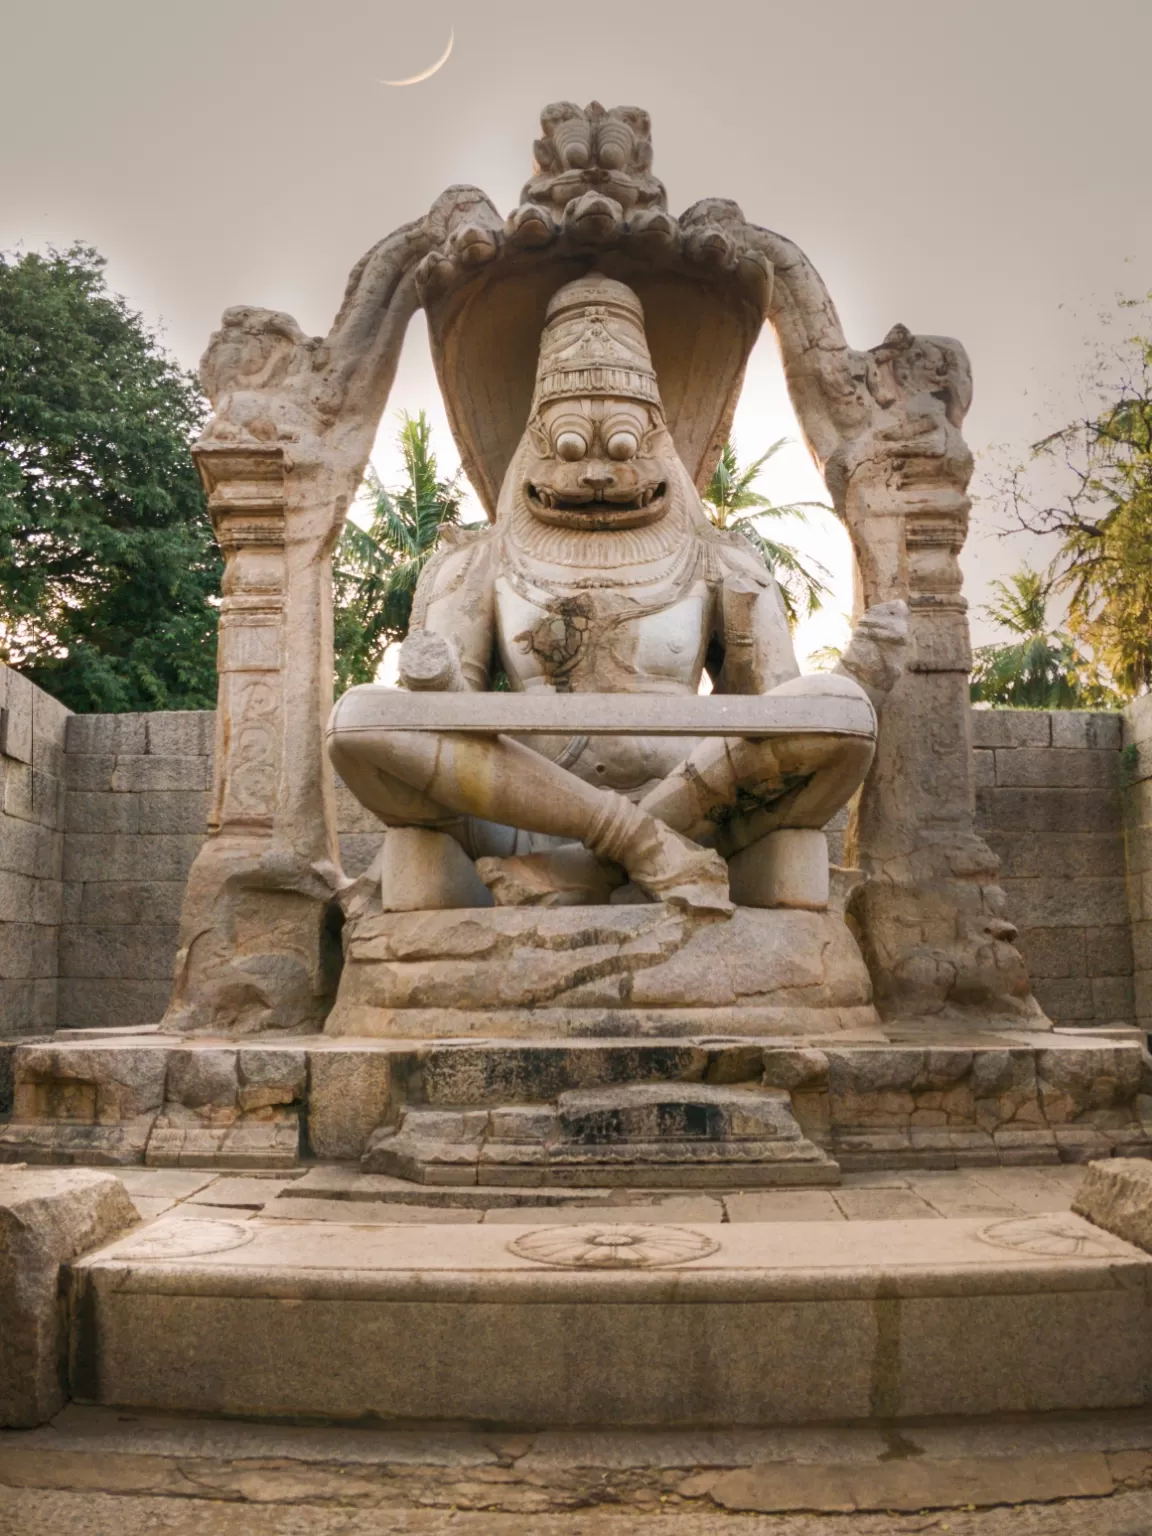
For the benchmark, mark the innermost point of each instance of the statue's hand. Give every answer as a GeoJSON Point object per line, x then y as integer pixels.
{"type": "Point", "coordinates": [874, 656]}
{"type": "Point", "coordinates": [429, 664]}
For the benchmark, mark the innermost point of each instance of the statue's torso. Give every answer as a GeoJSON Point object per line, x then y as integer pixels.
{"type": "Point", "coordinates": [606, 640]}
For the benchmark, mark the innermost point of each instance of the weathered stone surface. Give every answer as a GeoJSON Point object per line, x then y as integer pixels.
{"type": "Point", "coordinates": [108, 735]}
{"type": "Point", "coordinates": [247, 1144]}
{"type": "Point", "coordinates": [52, 1141]}
{"type": "Point", "coordinates": [650, 1134]}
{"type": "Point", "coordinates": [47, 1218]}
{"type": "Point", "coordinates": [142, 953]}
{"type": "Point", "coordinates": [724, 1325]}
{"type": "Point", "coordinates": [1011, 728]}
{"type": "Point", "coordinates": [97, 1084]}
{"type": "Point", "coordinates": [94, 1003]}
{"type": "Point", "coordinates": [1117, 1195]}
{"type": "Point", "coordinates": [135, 775]}
{"type": "Point", "coordinates": [96, 856]}
{"type": "Point", "coordinates": [654, 1111]}
{"type": "Point", "coordinates": [348, 1097]}
{"type": "Point", "coordinates": [796, 1068]}
{"type": "Point", "coordinates": [498, 1073]}
{"type": "Point", "coordinates": [788, 868]}
{"type": "Point", "coordinates": [179, 733]}
{"type": "Point", "coordinates": [268, 1076]}
{"type": "Point", "coordinates": [422, 868]}
{"type": "Point", "coordinates": [1057, 768]}
{"type": "Point", "coordinates": [619, 963]}
{"type": "Point", "coordinates": [1092, 730]}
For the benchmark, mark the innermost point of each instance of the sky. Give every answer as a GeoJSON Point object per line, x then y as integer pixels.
{"type": "Point", "coordinates": [973, 169]}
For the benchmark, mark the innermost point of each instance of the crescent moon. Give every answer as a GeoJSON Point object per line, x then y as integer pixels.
{"type": "Point", "coordinates": [426, 74]}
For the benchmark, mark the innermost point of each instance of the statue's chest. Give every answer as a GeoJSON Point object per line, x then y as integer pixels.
{"type": "Point", "coordinates": [602, 640]}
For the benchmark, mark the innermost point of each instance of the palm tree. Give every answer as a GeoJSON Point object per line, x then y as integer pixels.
{"type": "Point", "coordinates": [731, 502]}
{"type": "Point", "coordinates": [1041, 669]}
{"type": "Point", "coordinates": [376, 568]}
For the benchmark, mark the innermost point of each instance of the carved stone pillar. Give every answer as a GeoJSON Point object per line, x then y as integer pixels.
{"type": "Point", "coordinates": [930, 914]}
{"type": "Point", "coordinates": [257, 944]}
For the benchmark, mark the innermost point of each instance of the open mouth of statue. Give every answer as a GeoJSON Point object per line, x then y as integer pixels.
{"type": "Point", "coordinates": [601, 509]}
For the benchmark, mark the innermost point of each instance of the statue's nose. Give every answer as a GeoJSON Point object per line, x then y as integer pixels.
{"type": "Point", "coordinates": [598, 478]}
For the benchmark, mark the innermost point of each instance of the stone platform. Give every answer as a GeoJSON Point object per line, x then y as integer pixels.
{"type": "Point", "coordinates": [613, 1324]}
{"type": "Point", "coordinates": [641, 972]}
{"type": "Point", "coordinates": [907, 1098]}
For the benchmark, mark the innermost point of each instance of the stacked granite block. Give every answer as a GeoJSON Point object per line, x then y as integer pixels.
{"type": "Point", "coordinates": [1048, 802]}
{"type": "Point", "coordinates": [32, 740]}
{"type": "Point", "coordinates": [137, 809]}
{"type": "Point", "coordinates": [1136, 781]}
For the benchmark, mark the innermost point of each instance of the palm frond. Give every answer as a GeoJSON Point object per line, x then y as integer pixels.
{"type": "Point", "coordinates": [376, 568]}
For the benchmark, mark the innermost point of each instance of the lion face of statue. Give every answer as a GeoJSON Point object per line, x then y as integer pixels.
{"type": "Point", "coordinates": [598, 464]}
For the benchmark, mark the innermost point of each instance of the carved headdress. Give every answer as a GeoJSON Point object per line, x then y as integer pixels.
{"type": "Point", "coordinates": [594, 344]}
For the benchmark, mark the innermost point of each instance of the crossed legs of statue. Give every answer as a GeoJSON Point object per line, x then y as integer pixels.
{"type": "Point", "coordinates": [729, 792]}
{"type": "Point", "coordinates": [416, 777]}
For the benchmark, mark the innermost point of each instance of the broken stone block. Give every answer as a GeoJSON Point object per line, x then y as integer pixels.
{"type": "Point", "coordinates": [271, 1077]}
{"type": "Point", "coordinates": [795, 1068]}
{"type": "Point", "coordinates": [1117, 1195]}
{"type": "Point", "coordinates": [206, 1081]}
{"type": "Point", "coordinates": [92, 1085]}
{"type": "Point", "coordinates": [47, 1218]}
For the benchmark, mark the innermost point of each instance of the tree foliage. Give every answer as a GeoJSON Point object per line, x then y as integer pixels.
{"type": "Point", "coordinates": [1039, 668]}
{"type": "Point", "coordinates": [377, 567]}
{"type": "Point", "coordinates": [1090, 484]}
{"type": "Point", "coordinates": [108, 567]}
{"type": "Point", "coordinates": [732, 502]}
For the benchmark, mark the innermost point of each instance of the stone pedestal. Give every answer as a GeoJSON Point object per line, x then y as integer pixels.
{"type": "Point", "coordinates": [609, 971]}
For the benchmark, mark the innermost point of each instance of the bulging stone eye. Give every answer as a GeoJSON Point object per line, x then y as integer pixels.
{"type": "Point", "coordinates": [623, 445]}
{"type": "Point", "coordinates": [571, 446]}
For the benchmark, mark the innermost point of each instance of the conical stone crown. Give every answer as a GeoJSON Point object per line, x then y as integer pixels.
{"type": "Point", "coordinates": [594, 345]}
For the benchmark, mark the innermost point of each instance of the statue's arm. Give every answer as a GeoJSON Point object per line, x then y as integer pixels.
{"type": "Point", "coordinates": [455, 606]}
{"type": "Point", "coordinates": [752, 628]}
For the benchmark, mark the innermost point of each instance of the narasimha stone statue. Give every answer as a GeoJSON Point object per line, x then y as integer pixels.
{"type": "Point", "coordinates": [578, 842]}
{"type": "Point", "coordinates": [603, 575]}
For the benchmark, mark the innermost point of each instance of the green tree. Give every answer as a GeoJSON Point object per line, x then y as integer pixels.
{"type": "Point", "coordinates": [1090, 485]}
{"type": "Point", "coordinates": [108, 567]}
{"type": "Point", "coordinates": [731, 502]}
{"type": "Point", "coordinates": [376, 568]}
{"type": "Point", "coordinates": [1039, 668]}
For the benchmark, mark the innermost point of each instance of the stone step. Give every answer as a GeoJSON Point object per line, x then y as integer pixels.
{"type": "Point", "coordinates": [755, 1324]}
{"type": "Point", "coordinates": [690, 1135]}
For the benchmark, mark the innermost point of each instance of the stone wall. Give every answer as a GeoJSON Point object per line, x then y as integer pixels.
{"type": "Point", "coordinates": [103, 814]}
{"type": "Point", "coordinates": [1136, 794]}
{"type": "Point", "coordinates": [32, 733]}
{"type": "Point", "coordinates": [137, 804]}
{"type": "Point", "coordinates": [1048, 801]}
